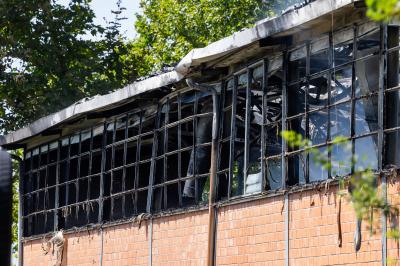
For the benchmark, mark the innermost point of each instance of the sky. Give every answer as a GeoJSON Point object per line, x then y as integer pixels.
{"type": "Point", "coordinates": [102, 9]}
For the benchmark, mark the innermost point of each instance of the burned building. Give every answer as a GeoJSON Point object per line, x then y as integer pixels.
{"type": "Point", "coordinates": [189, 166]}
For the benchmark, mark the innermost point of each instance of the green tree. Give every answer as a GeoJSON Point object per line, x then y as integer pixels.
{"type": "Point", "coordinates": [48, 62]}
{"type": "Point", "coordinates": [383, 10]}
{"type": "Point", "coordinates": [169, 29]}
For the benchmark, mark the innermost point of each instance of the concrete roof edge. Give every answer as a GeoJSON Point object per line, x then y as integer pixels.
{"type": "Point", "coordinates": [86, 105]}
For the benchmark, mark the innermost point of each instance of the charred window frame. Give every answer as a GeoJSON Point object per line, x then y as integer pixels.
{"type": "Point", "coordinates": [96, 175]}
{"type": "Point", "coordinates": [181, 157]}
{"type": "Point", "coordinates": [331, 86]}
{"type": "Point", "coordinates": [127, 165]}
{"type": "Point", "coordinates": [251, 122]}
{"type": "Point", "coordinates": [333, 89]}
{"type": "Point", "coordinates": [39, 210]}
{"type": "Point", "coordinates": [158, 159]}
{"type": "Point", "coordinates": [391, 95]}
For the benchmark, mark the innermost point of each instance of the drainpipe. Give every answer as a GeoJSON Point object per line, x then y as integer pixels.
{"type": "Point", "coordinates": [213, 170]}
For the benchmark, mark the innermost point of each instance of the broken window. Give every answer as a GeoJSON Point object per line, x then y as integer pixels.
{"type": "Point", "coordinates": [332, 94]}
{"type": "Point", "coordinates": [182, 161]}
{"type": "Point", "coordinates": [127, 168]}
{"type": "Point", "coordinates": [100, 174]}
{"type": "Point", "coordinates": [157, 158]}
{"type": "Point", "coordinates": [39, 188]}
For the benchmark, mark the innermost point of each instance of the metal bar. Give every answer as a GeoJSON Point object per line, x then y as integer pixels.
{"type": "Point", "coordinates": [153, 162]}
{"type": "Point", "coordinates": [56, 204]}
{"type": "Point", "coordinates": [306, 110]}
{"type": "Point", "coordinates": [381, 94]}
{"type": "Point", "coordinates": [247, 128]}
{"type": "Point", "coordinates": [206, 144]}
{"type": "Point", "coordinates": [38, 180]}
{"type": "Point", "coordinates": [213, 169]}
{"type": "Point", "coordinates": [124, 163]}
{"type": "Point", "coordinates": [390, 130]}
{"type": "Point", "coordinates": [90, 170]}
{"type": "Point", "coordinates": [329, 87]}
{"type": "Point", "coordinates": [232, 135]}
{"type": "Point", "coordinates": [353, 93]}
{"type": "Point", "coordinates": [381, 98]}
{"type": "Point", "coordinates": [283, 157]}
{"type": "Point", "coordinates": [165, 150]}
{"type": "Point", "coordinates": [112, 168]}
{"type": "Point", "coordinates": [220, 132]}
{"type": "Point", "coordinates": [179, 149]}
{"type": "Point", "coordinates": [183, 120]}
{"type": "Point", "coordinates": [251, 65]}
{"type": "Point", "coordinates": [78, 173]}
{"type": "Point", "coordinates": [264, 134]}
{"type": "Point", "coordinates": [284, 114]}
{"type": "Point", "coordinates": [31, 177]}
{"type": "Point", "coordinates": [103, 166]}
{"type": "Point", "coordinates": [195, 112]}
{"type": "Point", "coordinates": [137, 165]}
{"type": "Point", "coordinates": [47, 197]}
{"type": "Point", "coordinates": [396, 88]}
{"type": "Point", "coordinates": [67, 175]}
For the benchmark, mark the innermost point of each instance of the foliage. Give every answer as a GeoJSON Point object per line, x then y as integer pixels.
{"type": "Point", "coordinates": [383, 10]}
{"type": "Point", "coordinates": [48, 64]}
{"type": "Point", "coordinates": [362, 184]}
{"type": "Point", "coordinates": [169, 29]}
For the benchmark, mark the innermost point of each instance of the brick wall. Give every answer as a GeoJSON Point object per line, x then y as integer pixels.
{"type": "Point", "coordinates": [250, 233]}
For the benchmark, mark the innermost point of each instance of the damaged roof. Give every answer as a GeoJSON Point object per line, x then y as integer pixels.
{"type": "Point", "coordinates": [304, 18]}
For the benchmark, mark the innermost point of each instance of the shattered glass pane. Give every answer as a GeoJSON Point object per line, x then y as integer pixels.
{"type": "Point", "coordinates": [366, 115]}
{"type": "Point", "coordinates": [254, 175]}
{"type": "Point", "coordinates": [340, 119]}
{"type": "Point", "coordinates": [341, 159]}
{"type": "Point", "coordinates": [318, 93]}
{"type": "Point", "coordinates": [318, 126]}
{"type": "Point", "coordinates": [341, 85]}
{"type": "Point", "coordinates": [319, 61]}
{"type": "Point", "coordinates": [242, 80]}
{"type": "Point", "coordinates": [274, 173]}
{"type": "Point", "coordinates": [296, 99]}
{"type": "Point", "coordinates": [367, 76]}
{"type": "Point", "coordinates": [343, 53]}
{"type": "Point", "coordinates": [317, 163]}
{"type": "Point", "coordinates": [368, 43]}
{"type": "Point", "coordinates": [366, 153]}
{"type": "Point", "coordinates": [297, 125]}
